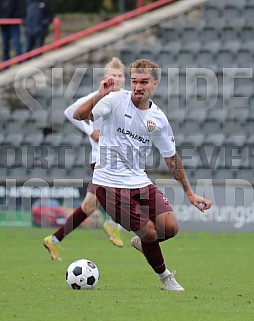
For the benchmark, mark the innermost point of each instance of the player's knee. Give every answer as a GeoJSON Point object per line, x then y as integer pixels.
{"type": "Point", "coordinates": [149, 234]}
{"type": "Point", "coordinates": [88, 207]}
{"type": "Point", "coordinates": [173, 231]}
{"type": "Point", "coordinates": [170, 231]}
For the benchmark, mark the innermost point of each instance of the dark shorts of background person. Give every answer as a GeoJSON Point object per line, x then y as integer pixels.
{"type": "Point", "coordinates": [131, 208]}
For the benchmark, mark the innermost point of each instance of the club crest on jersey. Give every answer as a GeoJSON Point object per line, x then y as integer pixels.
{"type": "Point", "coordinates": [150, 125]}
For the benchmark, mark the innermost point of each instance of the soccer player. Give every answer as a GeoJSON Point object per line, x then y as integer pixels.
{"type": "Point", "coordinates": [131, 123]}
{"type": "Point", "coordinates": [116, 69]}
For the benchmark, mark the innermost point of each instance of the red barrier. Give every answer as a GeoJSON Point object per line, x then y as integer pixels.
{"type": "Point", "coordinates": [81, 34]}
{"type": "Point", "coordinates": [17, 21]}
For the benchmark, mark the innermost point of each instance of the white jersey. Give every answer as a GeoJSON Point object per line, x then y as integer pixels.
{"type": "Point", "coordinates": [126, 138]}
{"type": "Point", "coordinates": [86, 128]}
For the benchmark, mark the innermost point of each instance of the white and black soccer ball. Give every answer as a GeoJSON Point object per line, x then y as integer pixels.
{"type": "Point", "coordinates": [82, 274]}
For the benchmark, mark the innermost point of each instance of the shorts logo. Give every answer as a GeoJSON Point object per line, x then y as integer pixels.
{"type": "Point", "coordinates": [165, 200]}
{"type": "Point", "coordinates": [150, 125]}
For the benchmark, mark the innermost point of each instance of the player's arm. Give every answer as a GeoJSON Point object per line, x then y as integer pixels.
{"type": "Point", "coordinates": [84, 111]}
{"type": "Point", "coordinates": [176, 169]}
{"type": "Point", "coordinates": [81, 125]}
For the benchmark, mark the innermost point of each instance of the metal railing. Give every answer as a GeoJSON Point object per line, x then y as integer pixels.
{"type": "Point", "coordinates": [57, 43]}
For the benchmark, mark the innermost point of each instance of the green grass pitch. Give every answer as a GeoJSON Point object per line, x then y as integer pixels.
{"type": "Point", "coordinates": [215, 269]}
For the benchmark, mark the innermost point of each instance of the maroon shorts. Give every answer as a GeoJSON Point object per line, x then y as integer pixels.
{"type": "Point", "coordinates": [132, 208]}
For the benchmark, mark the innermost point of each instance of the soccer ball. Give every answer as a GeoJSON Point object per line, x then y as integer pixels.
{"type": "Point", "coordinates": [82, 274]}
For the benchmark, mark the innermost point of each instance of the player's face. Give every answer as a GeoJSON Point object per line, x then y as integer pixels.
{"type": "Point", "coordinates": [142, 86]}
{"type": "Point", "coordinates": [119, 77]}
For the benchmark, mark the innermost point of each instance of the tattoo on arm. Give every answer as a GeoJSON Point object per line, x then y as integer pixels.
{"type": "Point", "coordinates": [176, 169]}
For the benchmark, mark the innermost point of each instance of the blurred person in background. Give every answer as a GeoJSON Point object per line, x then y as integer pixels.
{"type": "Point", "coordinates": [11, 32]}
{"type": "Point", "coordinates": [38, 17]}
{"type": "Point", "coordinates": [116, 69]}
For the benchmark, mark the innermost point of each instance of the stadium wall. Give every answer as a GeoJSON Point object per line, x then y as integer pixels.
{"type": "Point", "coordinates": [232, 210]}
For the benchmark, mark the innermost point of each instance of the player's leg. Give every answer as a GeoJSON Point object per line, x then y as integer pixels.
{"type": "Point", "coordinates": [87, 207]}
{"type": "Point", "coordinates": [147, 241]}
{"type": "Point", "coordinates": [166, 225]}
{"type": "Point", "coordinates": [162, 224]}
{"type": "Point", "coordinates": [111, 226]}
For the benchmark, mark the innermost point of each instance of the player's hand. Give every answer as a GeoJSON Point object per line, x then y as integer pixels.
{"type": "Point", "coordinates": [95, 135]}
{"type": "Point", "coordinates": [200, 202]}
{"type": "Point", "coordinates": [106, 86]}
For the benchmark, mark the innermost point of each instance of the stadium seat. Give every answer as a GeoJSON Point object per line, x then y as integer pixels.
{"type": "Point", "coordinates": [55, 118]}
{"type": "Point", "coordinates": [191, 31]}
{"type": "Point", "coordinates": [12, 126]}
{"type": "Point", "coordinates": [234, 139]}
{"type": "Point", "coordinates": [2, 138]}
{"type": "Point", "coordinates": [85, 76]}
{"type": "Point", "coordinates": [221, 174]}
{"type": "Point", "coordinates": [245, 54]}
{"type": "Point", "coordinates": [231, 126]}
{"type": "Point", "coordinates": [207, 54]}
{"type": "Point", "coordinates": [10, 157]}
{"type": "Point", "coordinates": [211, 126]}
{"type": "Point", "coordinates": [196, 114]}
{"type": "Point", "coordinates": [81, 172]}
{"type": "Point", "coordinates": [159, 99]}
{"type": "Point", "coordinates": [211, 31]}
{"type": "Point", "coordinates": [37, 119]}
{"type": "Point", "coordinates": [34, 138]}
{"type": "Point", "coordinates": [230, 30]}
{"type": "Point", "coordinates": [190, 162]}
{"type": "Point", "coordinates": [41, 167]}
{"type": "Point", "coordinates": [203, 173]}
{"type": "Point", "coordinates": [187, 54]}
{"type": "Point", "coordinates": [66, 160]}
{"type": "Point", "coordinates": [179, 137]}
{"type": "Point", "coordinates": [191, 128]}
{"type": "Point", "coordinates": [238, 114]}
{"type": "Point", "coordinates": [53, 139]}
{"type": "Point", "coordinates": [243, 88]}
{"type": "Point", "coordinates": [213, 10]}
{"type": "Point", "coordinates": [69, 129]}
{"type": "Point", "coordinates": [13, 138]}
{"type": "Point", "coordinates": [214, 139]}
{"type": "Point", "coordinates": [249, 12]}
{"type": "Point", "coordinates": [227, 53]}
{"type": "Point", "coordinates": [245, 174]}
{"type": "Point", "coordinates": [249, 124]}
{"type": "Point", "coordinates": [176, 115]}
{"type": "Point", "coordinates": [250, 139]}
{"type": "Point", "coordinates": [128, 53]}
{"type": "Point", "coordinates": [209, 156]}
{"type": "Point", "coordinates": [162, 167]}
{"type": "Point", "coordinates": [150, 51]}
{"type": "Point", "coordinates": [21, 115]}
{"type": "Point", "coordinates": [246, 32]}
{"type": "Point", "coordinates": [38, 172]}
{"type": "Point", "coordinates": [233, 10]}
{"type": "Point", "coordinates": [168, 54]}
{"type": "Point", "coordinates": [18, 173]}
{"type": "Point", "coordinates": [74, 139]}
{"type": "Point", "coordinates": [193, 138]}
{"type": "Point", "coordinates": [171, 32]}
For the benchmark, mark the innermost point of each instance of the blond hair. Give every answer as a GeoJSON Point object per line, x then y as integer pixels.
{"type": "Point", "coordinates": [115, 63]}
{"type": "Point", "coordinates": [146, 66]}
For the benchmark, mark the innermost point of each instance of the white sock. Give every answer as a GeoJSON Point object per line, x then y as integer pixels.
{"type": "Point", "coordinates": [54, 240]}
{"type": "Point", "coordinates": [164, 274]}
